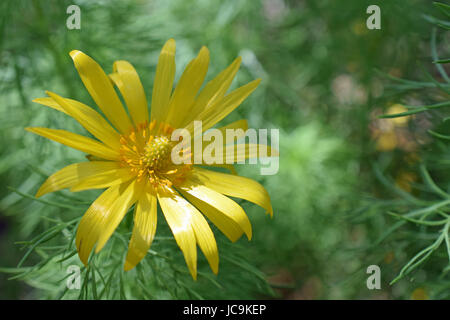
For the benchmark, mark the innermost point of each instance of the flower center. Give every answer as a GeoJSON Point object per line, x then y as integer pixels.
{"type": "Point", "coordinates": [147, 149]}
{"type": "Point", "coordinates": [157, 152]}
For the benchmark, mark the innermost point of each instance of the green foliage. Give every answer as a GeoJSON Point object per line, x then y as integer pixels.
{"type": "Point", "coordinates": [423, 216]}
{"type": "Point", "coordinates": [325, 79]}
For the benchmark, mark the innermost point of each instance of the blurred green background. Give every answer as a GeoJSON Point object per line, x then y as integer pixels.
{"type": "Point", "coordinates": [325, 78]}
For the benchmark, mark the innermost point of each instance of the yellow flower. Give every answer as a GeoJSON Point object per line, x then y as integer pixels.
{"type": "Point", "coordinates": [131, 157]}
{"type": "Point", "coordinates": [419, 294]}
{"type": "Point", "coordinates": [386, 141]}
{"type": "Point", "coordinates": [396, 109]}
{"type": "Point", "coordinates": [405, 179]}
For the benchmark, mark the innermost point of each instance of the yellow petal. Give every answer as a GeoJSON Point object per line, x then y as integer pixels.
{"type": "Point", "coordinates": [162, 85]}
{"type": "Point", "coordinates": [213, 91]}
{"type": "Point", "coordinates": [94, 220]}
{"type": "Point", "coordinates": [77, 142]}
{"type": "Point", "coordinates": [240, 124]}
{"type": "Point", "coordinates": [130, 86]}
{"type": "Point", "coordinates": [72, 174]}
{"type": "Point", "coordinates": [205, 239]}
{"type": "Point", "coordinates": [230, 229]}
{"type": "Point", "coordinates": [224, 106]}
{"type": "Point", "coordinates": [90, 119]}
{"type": "Point", "coordinates": [103, 179]}
{"type": "Point", "coordinates": [120, 207]}
{"type": "Point", "coordinates": [240, 152]}
{"type": "Point", "coordinates": [177, 212]}
{"type": "Point", "coordinates": [49, 102]}
{"type": "Point", "coordinates": [144, 229]}
{"type": "Point", "coordinates": [222, 203]}
{"type": "Point", "coordinates": [234, 186]}
{"type": "Point", "coordinates": [190, 82]}
{"type": "Point", "coordinates": [101, 90]}
{"type": "Point", "coordinates": [203, 234]}
{"type": "Point", "coordinates": [229, 167]}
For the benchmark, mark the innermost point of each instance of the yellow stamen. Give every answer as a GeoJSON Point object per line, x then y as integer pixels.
{"type": "Point", "coordinates": [147, 149]}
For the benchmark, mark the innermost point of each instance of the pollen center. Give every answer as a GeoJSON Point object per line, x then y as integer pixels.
{"type": "Point", "coordinates": [157, 152]}
{"type": "Point", "coordinates": [147, 150]}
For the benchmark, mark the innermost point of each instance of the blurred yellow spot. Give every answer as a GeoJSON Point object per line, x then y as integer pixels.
{"type": "Point", "coordinates": [419, 294]}
{"type": "Point", "coordinates": [396, 72]}
{"type": "Point", "coordinates": [389, 257]}
{"type": "Point", "coordinates": [404, 180]}
{"type": "Point", "coordinates": [352, 66]}
{"type": "Point", "coordinates": [359, 27]}
{"type": "Point", "coordinates": [412, 158]}
{"type": "Point", "coordinates": [387, 141]}
{"type": "Point", "coordinates": [400, 121]}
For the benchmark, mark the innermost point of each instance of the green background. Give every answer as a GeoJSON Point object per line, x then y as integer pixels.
{"type": "Point", "coordinates": [322, 83]}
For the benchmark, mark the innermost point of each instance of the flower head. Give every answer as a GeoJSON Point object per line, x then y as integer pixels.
{"type": "Point", "coordinates": [132, 157]}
